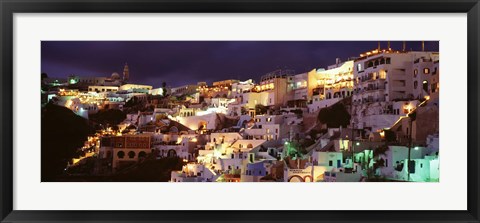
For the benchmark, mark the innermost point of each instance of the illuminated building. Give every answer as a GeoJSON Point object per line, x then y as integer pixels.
{"type": "Point", "coordinates": [424, 164]}
{"type": "Point", "coordinates": [297, 89]}
{"type": "Point", "coordinates": [275, 83]}
{"type": "Point", "coordinates": [386, 79]}
{"type": "Point", "coordinates": [184, 90]}
{"type": "Point", "coordinates": [327, 87]}
{"type": "Point", "coordinates": [386, 75]}
{"type": "Point", "coordinates": [194, 172]}
{"type": "Point", "coordinates": [98, 89]}
{"type": "Point", "coordinates": [127, 87]}
{"type": "Point", "coordinates": [224, 83]}
{"type": "Point", "coordinates": [125, 150]}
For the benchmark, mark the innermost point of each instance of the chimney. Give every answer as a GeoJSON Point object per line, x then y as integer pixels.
{"type": "Point", "coordinates": [388, 44]}
{"type": "Point", "coordinates": [337, 61]}
{"type": "Point", "coordinates": [378, 47]}
{"type": "Point", "coordinates": [423, 45]}
{"type": "Point", "coordinates": [404, 46]}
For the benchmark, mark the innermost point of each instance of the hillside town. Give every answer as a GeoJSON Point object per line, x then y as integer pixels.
{"type": "Point", "coordinates": [371, 117]}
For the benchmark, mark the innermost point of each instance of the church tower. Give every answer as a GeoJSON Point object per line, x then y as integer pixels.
{"type": "Point", "coordinates": [126, 73]}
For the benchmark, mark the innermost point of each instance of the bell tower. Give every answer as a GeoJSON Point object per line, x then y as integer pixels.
{"type": "Point", "coordinates": [126, 73]}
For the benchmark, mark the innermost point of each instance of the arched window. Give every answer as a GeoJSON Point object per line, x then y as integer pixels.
{"type": "Point", "coordinates": [142, 154]}
{"type": "Point", "coordinates": [120, 154]}
{"type": "Point", "coordinates": [131, 154]}
{"type": "Point", "coordinates": [250, 146]}
{"type": "Point", "coordinates": [415, 84]}
{"type": "Point", "coordinates": [415, 72]}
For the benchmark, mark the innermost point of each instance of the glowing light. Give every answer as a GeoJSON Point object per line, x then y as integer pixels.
{"type": "Point", "coordinates": [358, 144]}
{"type": "Point", "coordinates": [382, 133]}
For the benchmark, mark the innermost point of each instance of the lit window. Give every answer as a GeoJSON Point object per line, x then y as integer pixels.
{"type": "Point", "coordinates": [426, 71]}
{"type": "Point", "coordinates": [415, 72]}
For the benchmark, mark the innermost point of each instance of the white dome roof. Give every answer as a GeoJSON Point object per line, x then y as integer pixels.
{"type": "Point", "coordinates": [115, 75]}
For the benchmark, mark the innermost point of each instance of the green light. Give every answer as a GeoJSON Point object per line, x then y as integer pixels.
{"type": "Point", "coordinates": [72, 81]}
{"type": "Point", "coordinates": [416, 148]}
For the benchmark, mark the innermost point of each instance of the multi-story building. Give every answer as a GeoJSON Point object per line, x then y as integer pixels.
{"type": "Point", "coordinates": [126, 150]}
{"type": "Point", "coordinates": [327, 87]}
{"type": "Point", "coordinates": [127, 87]}
{"type": "Point", "coordinates": [297, 89]}
{"type": "Point", "coordinates": [387, 82]}
{"type": "Point", "coordinates": [101, 88]}
{"type": "Point", "coordinates": [184, 90]}
{"type": "Point", "coordinates": [387, 75]}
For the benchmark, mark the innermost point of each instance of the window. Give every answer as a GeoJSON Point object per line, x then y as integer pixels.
{"type": "Point", "coordinates": [388, 61]}
{"type": "Point", "coordinates": [330, 163]}
{"type": "Point", "coordinates": [415, 72]}
{"type": "Point", "coordinates": [415, 84]}
{"type": "Point", "coordinates": [120, 154]}
{"type": "Point", "coordinates": [131, 154]}
{"type": "Point", "coordinates": [359, 67]}
{"type": "Point", "coordinates": [426, 70]}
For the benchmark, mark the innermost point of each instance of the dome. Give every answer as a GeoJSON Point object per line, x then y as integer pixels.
{"type": "Point", "coordinates": [115, 75]}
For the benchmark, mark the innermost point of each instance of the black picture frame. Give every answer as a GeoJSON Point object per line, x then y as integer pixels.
{"type": "Point", "coordinates": [9, 7]}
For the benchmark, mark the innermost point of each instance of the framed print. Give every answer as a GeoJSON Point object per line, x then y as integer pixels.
{"type": "Point", "coordinates": [199, 111]}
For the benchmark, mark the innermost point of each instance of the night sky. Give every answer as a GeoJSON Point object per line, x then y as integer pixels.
{"type": "Point", "coordinates": [188, 62]}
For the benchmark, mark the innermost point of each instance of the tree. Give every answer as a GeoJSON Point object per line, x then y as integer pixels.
{"type": "Point", "coordinates": [164, 88]}
{"type": "Point", "coordinates": [243, 111]}
{"type": "Point", "coordinates": [63, 133]}
{"type": "Point", "coordinates": [260, 109]}
{"type": "Point", "coordinates": [334, 116]}
{"type": "Point", "coordinates": [110, 117]}
{"type": "Point", "coordinates": [44, 75]}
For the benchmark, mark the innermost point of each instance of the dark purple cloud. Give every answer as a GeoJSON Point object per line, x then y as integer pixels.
{"type": "Point", "coordinates": [188, 62]}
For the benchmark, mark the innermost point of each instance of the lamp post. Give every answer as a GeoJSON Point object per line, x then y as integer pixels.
{"type": "Point", "coordinates": [353, 144]}
{"type": "Point", "coordinates": [412, 116]}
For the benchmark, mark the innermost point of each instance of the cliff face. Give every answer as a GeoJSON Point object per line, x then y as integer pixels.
{"type": "Point", "coordinates": [426, 123]}
{"type": "Point", "coordinates": [223, 121]}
